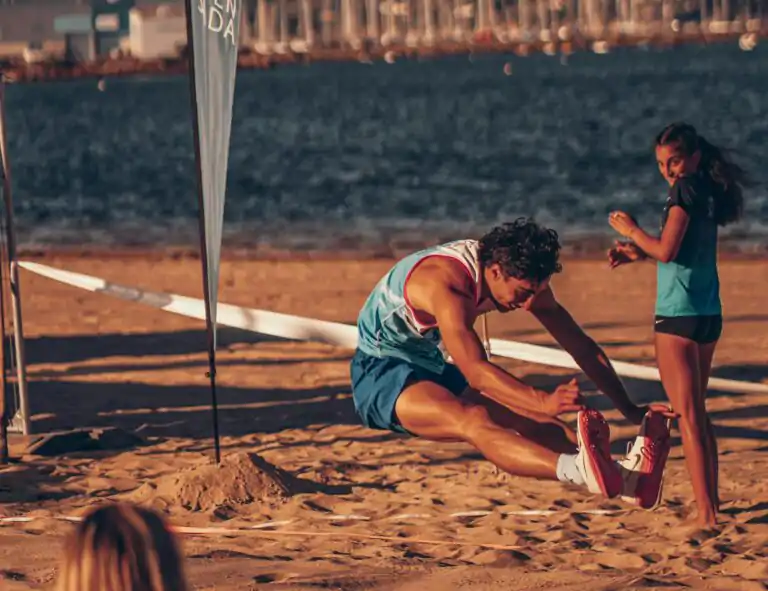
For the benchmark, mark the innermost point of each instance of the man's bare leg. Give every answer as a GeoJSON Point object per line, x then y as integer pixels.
{"type": "Point", "coordinates": [550, 432]}
{"type": "Point", "coordinates": [430, 411]}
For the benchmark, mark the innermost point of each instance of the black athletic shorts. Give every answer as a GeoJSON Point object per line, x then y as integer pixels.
{"type": "Point", "coordinates": [699, 329]}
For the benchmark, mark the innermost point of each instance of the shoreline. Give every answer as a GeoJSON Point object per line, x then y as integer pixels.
{"type": "Point", "coordinates": [250, 60]}
{"type": "Point", "coordinates": [587, 246]}
{"type": "Point", "coordinates": [288, 255]}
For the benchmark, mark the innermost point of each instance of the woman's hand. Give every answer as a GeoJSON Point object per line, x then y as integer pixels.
{"type": "Point", "coordinates": [623, 223]}
{"type": "Point", "coordinates": [624, 253]}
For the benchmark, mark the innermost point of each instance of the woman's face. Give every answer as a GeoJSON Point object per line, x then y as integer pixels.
{"type": "Point", "coordinates": [673, 163]}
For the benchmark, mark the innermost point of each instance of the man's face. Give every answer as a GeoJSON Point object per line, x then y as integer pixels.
{"type": "Point", "coordinates": [509, 293]}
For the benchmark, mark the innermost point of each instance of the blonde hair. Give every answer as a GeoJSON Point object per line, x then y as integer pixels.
{"type": "Point", "coordinates": [121, 547]}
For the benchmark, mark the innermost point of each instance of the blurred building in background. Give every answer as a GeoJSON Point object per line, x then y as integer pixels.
{"type": "Point", "coordinates": [157, 31]}
{"type": "Point", "coordinates": [86, 29]}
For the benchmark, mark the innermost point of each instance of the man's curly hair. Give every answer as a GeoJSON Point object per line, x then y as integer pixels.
{"type": "Point", "coordinates": [523, 249]}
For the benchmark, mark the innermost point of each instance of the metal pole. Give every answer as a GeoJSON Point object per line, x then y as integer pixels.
{"type": "Point", "coordinates": [211, 374]}
{"type": "Point", "coordinates": [18, 331]}
{"type": "Point", "coordinates": [3, 378]}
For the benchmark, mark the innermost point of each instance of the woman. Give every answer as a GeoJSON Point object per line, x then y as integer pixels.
{"type": "Point", "coordinates": [705, 192]}
{"type": "Point", "coordinates": [121, 548]}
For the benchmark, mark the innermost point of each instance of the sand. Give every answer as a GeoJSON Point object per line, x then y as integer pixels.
{"type": "Point", "coordinates": [357, 508]}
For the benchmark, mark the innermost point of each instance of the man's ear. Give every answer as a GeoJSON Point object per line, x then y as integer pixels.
{"type": "Point", "coordinates": [496, 272]}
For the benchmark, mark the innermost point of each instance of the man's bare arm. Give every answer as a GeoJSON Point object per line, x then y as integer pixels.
{"type": "Point", "coordinates": [454, 315]}
{"type": "Point", "coordinates": [584, 350]}
{"type": "Point", "coordinates": [442, 289]}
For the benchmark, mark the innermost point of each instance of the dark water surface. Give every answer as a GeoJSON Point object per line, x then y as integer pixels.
{"type": "Point", "coordinates": [369, 156]}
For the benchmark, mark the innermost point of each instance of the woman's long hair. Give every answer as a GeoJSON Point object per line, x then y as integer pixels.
{"type": "Point", "coordinates": [728, 178]}
{"type": "Point", "coordinates": [121, 547]}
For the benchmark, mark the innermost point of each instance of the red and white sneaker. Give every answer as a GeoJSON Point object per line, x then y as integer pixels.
{"type": "Point", "coordinates": [643, 466]}
{"type": "Point", "coordinates": [601, 474]}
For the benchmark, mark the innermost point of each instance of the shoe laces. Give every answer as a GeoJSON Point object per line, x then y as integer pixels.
{"type": "Point", "coordinates": [649, 451]}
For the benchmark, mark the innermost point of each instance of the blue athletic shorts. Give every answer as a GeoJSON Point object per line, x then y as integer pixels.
{"type": "Point", "coordinates": [378, 382]}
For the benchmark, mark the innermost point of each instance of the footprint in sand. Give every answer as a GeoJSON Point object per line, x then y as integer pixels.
{"type": "Point", "coordinates": [689, 565]}
{"type": "Point", "coordinates": [652, 558]}
{"type": "Point", "coordinates": [559, 534]}
{"type": "Point", "coordinates": [734, 584]}
{"type": "Point", "coordinates": [269, 578]}
{"type": "Point", "coordinates": [747, 568]}
{"type": "Point", "coordinates": [619, 559]}
{"type": "Point", "coordinates": [501, 558]}
{"type": "Point", "coordinates": [649, 582]}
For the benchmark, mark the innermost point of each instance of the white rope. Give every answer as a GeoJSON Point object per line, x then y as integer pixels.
{"type": "Point", "coordinates": [333, 333]}
{"type": "Point", "coordinates": [343, 518]}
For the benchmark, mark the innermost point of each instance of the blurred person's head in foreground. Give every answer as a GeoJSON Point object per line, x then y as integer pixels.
{"type": "Point", "coordinates": [121, 547]}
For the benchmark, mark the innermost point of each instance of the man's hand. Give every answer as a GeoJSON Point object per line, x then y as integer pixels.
{"type": "Point", "coordinates": [586, 352]}
{"type": "Point", "coordinates": [565, 398]}
{"type": "Point", "coordinates": [637, 413]}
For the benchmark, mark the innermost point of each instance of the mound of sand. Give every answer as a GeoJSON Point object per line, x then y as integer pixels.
{"type": "Point", "coordinates": [240, 479]}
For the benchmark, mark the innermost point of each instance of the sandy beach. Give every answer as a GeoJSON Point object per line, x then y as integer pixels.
{"type": "Point", "coordinates": [374, 510]}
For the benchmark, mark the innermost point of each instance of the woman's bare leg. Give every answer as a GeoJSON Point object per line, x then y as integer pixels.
{"type": "Point", "coordinates": [706, 354]}
{"type": "Point", "coordinates": [678, 361]}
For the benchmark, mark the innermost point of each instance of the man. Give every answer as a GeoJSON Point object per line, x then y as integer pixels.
{"type": "Point", "coordinates": [427, 305]}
